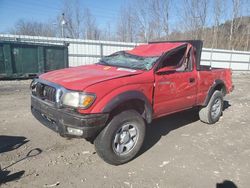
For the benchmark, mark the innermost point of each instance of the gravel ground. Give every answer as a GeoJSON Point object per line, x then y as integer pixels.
{"type": "Point", "coordinates": [179, 150]}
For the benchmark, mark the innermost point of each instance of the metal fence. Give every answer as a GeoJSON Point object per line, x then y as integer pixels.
{"type": "Point", "coordinates": [83, 52]}
{"type": "Point", "coordinates": [236, 60]}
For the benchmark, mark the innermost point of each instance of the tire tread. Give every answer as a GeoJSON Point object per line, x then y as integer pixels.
{"type": "Point", "coordinates": [204, 113]}
{"type": "Point", "coordinates": [102, 143]}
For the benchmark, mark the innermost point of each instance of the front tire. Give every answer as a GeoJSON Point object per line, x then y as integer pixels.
{"type": "Point", "coordinates": [213, 111]}
{"type": "Point", "coordinates": [122, 138]}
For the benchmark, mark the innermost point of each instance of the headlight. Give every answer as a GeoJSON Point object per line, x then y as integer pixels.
{"type": "Point", "coordinates": [77, 99]}
{"type": "Point", "coordinates": [33, 86]}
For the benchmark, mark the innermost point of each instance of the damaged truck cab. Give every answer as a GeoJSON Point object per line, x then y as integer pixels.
{"type": "Point", "coordinates": [115, 99]}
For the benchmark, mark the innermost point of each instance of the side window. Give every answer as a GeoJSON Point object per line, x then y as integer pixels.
{"type": "Point", "coordinates": [179, 59]}
{"type": "Point", "coordinates": [175, 59]}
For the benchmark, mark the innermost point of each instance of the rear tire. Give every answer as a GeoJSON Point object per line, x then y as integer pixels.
{"type": "Point", "coordinates": [213, 111]}
{"type": "Point", "coordinates": [122, 138]}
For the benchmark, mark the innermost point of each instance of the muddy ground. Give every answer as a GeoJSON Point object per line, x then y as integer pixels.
{"type": "Point", "coordinates": [179, 150]}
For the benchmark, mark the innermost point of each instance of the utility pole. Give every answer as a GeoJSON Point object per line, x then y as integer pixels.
{"type": "Point", "coordinates": [63, 23]}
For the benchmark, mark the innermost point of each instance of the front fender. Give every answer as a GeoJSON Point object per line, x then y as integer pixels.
{"type": "Point", "coordinates": [113, 100]}
{"type": "Point", "coordinates": [129, 95]}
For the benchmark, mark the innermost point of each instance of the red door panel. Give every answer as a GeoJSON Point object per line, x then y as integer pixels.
{"type": "Point", "coordinates": [174, 92]}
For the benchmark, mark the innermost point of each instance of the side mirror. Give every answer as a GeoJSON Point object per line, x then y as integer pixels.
{"type": "Point", "coordinates": [166, 70]}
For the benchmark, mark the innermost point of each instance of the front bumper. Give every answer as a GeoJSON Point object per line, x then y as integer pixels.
{"type": "Point", "coordinates": [59, 120]}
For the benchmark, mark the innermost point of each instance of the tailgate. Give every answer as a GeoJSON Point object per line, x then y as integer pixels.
{"type": "Point", "coordinates": [228, 80]}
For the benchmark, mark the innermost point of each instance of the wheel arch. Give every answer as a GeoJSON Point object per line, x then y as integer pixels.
{"type": "Point", "coordinates": [130, 100]}
{"type": "Point", "coordinates": [218, 85]}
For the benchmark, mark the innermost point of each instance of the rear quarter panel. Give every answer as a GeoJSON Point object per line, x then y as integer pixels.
{"type": "Point", "coordinates": [208, 78]}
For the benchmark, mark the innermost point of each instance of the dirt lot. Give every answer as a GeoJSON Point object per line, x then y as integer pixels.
{"type": "Point", "coordinates": [179, 151]}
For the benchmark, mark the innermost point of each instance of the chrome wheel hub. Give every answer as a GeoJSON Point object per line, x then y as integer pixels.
{"type": "Point", "coordinates": [216, 108]}
{"type": "Point", "coordinates": [125, 139]}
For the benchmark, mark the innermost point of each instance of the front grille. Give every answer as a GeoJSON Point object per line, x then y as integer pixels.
{"type": "Point", "coordinates": [44, 92]}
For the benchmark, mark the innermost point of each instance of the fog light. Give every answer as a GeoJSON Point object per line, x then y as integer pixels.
{"type": "Point", "coordinates": [76, 132]}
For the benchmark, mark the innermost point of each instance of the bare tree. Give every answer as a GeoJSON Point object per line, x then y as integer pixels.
{"type": "Point", "coordinates": [80, 23]}
{"type": "Point", "coordinates": [217, 7]}
{"type": "Point", "coordinates": [165, 17]}
{"type": "Point", "coordinates": [73, 17]}
{"type": "Point", "coordinates": [247, 9]}
{"type": "Point", "coordinates": [90, 29]}
{"type": "Point", "coordinates": [143, 20]}
{"type": "Point", "coordinates": [107, 33]}
{"type": "Point", "coordinates": [126, 25]}
{"type": "Point", "coordinates": [195, 17]}
{"type": "Point", "coordinates": [248, 40]}
{"type": "Point", "coordinates": [121, 28]}
{"type": "Point", "coordinates": [23, 27]}
{"type": "Point", "coordinates": [160, 18]}
{"type": "Point", "coordinates": [236, 23]}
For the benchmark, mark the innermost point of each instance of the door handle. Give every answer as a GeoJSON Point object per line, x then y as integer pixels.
{"type": "Point", "coordinates": [191, 80]}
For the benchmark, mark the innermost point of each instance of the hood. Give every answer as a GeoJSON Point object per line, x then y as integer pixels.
{"type": "Point", "coordinates": [79, 78]}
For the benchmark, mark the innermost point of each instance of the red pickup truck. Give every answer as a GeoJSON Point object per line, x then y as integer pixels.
{"type": "Point", "coordinates": [115, 99]}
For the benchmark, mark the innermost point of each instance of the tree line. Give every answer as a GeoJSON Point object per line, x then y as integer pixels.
{"type": "Point", "coordinates": [221, 24]}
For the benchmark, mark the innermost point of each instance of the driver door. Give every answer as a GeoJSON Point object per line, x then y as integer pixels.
{"type": "Point", "coordinates": [175, 90]}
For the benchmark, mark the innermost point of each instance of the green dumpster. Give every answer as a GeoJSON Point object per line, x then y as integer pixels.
{"type": "Point", "coordinates": [24, 60]}
{"type": "Point", "coordinates": [2, 65]}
